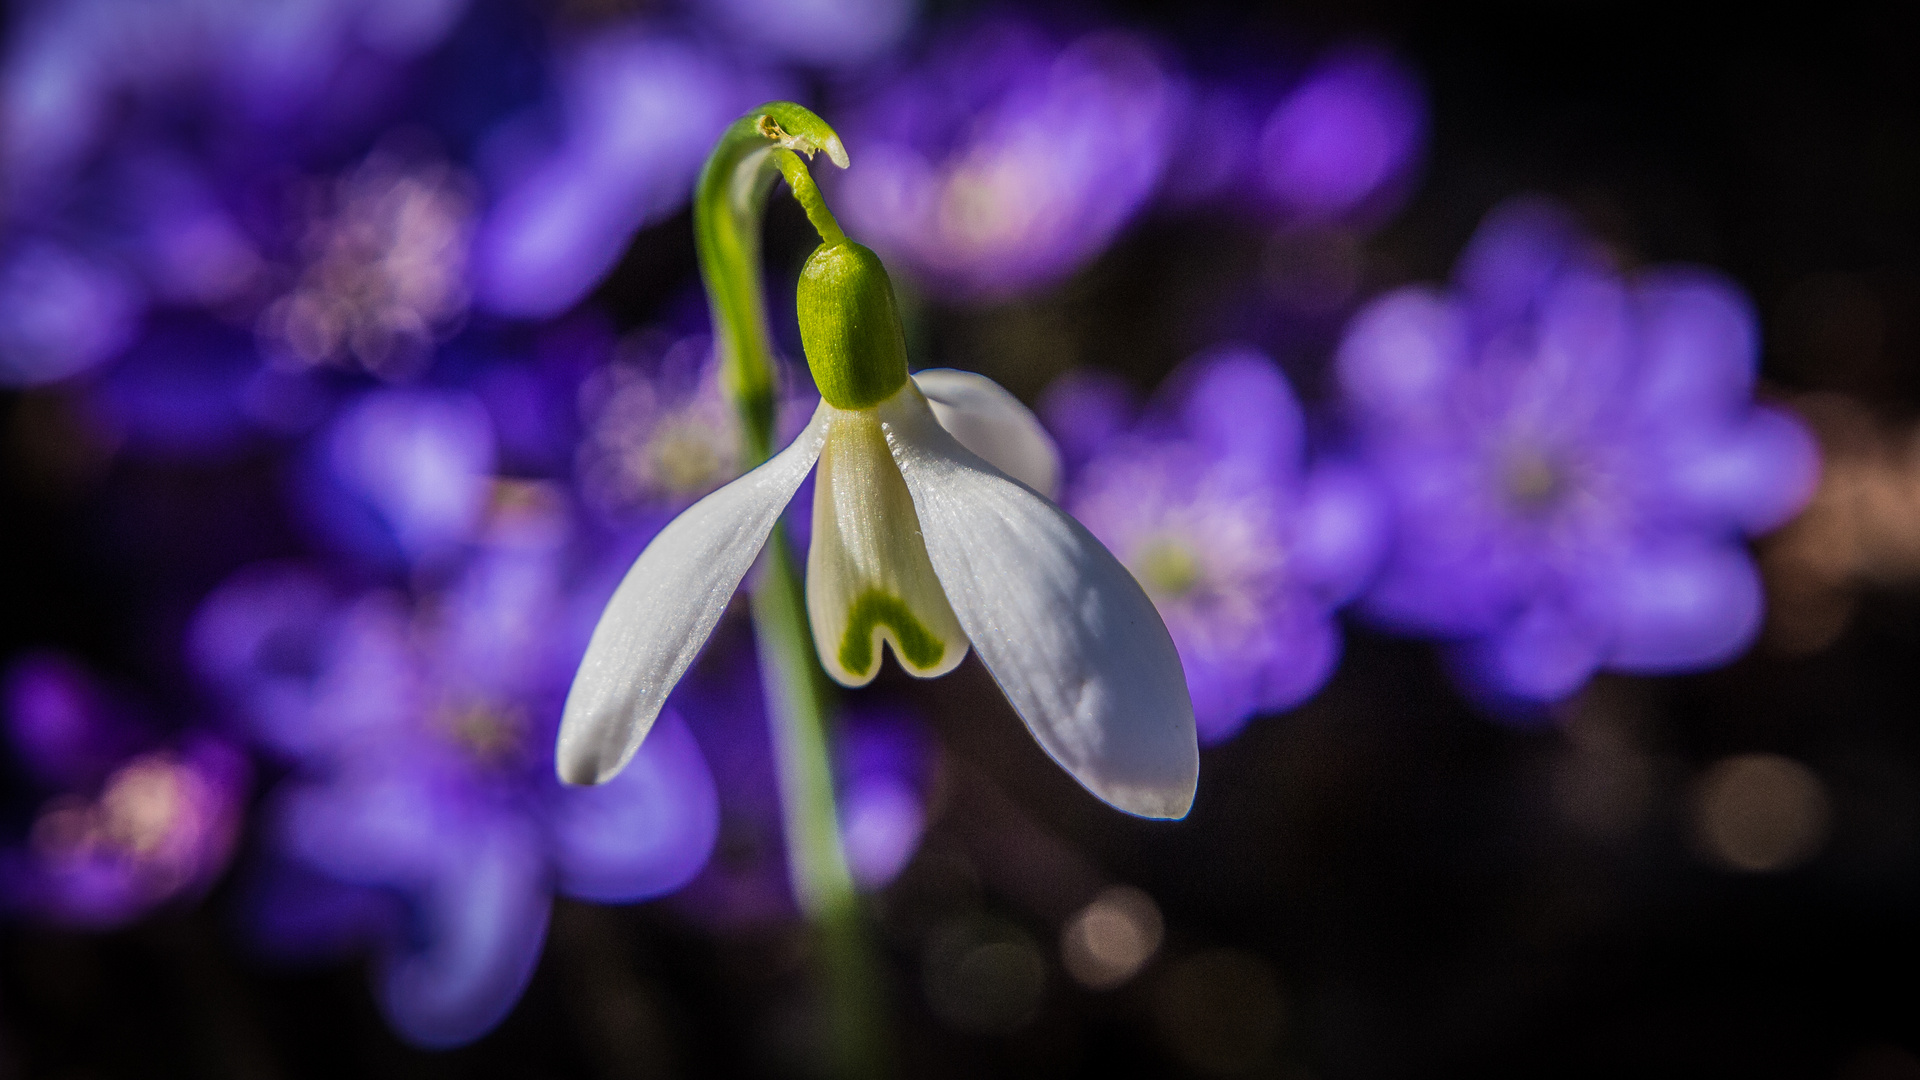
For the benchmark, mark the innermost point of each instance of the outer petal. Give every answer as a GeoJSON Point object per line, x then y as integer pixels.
{"type": "Point", "coordinates": [666, 608]}
{"type": "Point", "coordinates": [1240, 407]}
{"type": "Point", "coordinates": [993, 424]}
{"type": "Point", "coordinates": [1544, 655]}
{"type": "Point", "coordinates": [1755, 474]}
{"type": "Point", "coordinates": [1400, 355]}
{"type": "Point", "coordinates": [1684, 607]}
{"type": "Point", "coordinates": [868, 579]}
{"type": "Point", "coordinates": [1066, 631]}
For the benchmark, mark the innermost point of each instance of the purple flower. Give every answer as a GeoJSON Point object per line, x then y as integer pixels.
{"type": "Point", "coordinates": [1573, 459]}
{"type": "Point", "coordinates": [1006, 161]}
{"type": "Point", "coordinates": [640, 110]}
{"type": "Point", "coordinates": [417, 728]}
{"type": "Point", "coordinates": [130, 823]}
{"type": "Point", "coordinates": [1342, 143]}
{"type": "Point", "coordinates": [1245, 549]}
{"type": "Point", "coordinates": [383, 274]}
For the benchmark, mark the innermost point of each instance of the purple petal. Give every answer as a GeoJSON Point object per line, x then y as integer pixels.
{"type": "Point", "coordinates": [481, 921]}
{"type": "Point", "coordinates": [1341, 531]}
{"type": "Point", "coordinates": [1571, 376]}
{"type": "Point", "coordinates": [995, 167]}
{"type": "Point", "coordinates": [1238, 406]}
{"type": "Point", "coordinates": [1400, 355]}
{"type": "Point", "coordinates": [64, 727]}
{"type": "Point", "coordinates": [61, 312]}
{"type": "Point", "coordinates": [1518, 252]}
{"type": "Point", "coordinates": [1307, 655]}
{"type": "Point", "coordinates": [1753, 476]}
{"type": "Point", "coordinates": [1545, 655]}
{"type": "Point", "coordinates": [825, 32]}
{"type": "Point", "coordinates": [292, 914]}
{"type": "Point", "coordinates": [1699, 345]}
{"type": "Point", "coordinates": [1086, 409]}
{"type": "Point", "coordinates": [647, 831]}
{"type": "Point", "coordinates": [642, 112]}
{"type": "Point", "coordinates": [1683, 606]}
{"type": "Point", "coordinates": [1351, 129]}
{"type": "Point", "coordinates": [421, 461]}
{"type": "Point", "coordinates": [377, 827]}
{"type": "Point", "coordinates": [884, 761]}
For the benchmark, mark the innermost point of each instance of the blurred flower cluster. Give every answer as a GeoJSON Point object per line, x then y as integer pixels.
{"type": "Point", "coordinates": [373, 252]}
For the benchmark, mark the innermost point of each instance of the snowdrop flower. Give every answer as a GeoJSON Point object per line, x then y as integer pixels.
{"type": "Point", "coordinates": [930, 536]}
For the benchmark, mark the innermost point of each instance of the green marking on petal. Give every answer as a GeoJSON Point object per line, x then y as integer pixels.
{"type": "Point", "coordinates": [874, 609]}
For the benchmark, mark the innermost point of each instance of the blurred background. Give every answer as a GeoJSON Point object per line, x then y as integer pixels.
{"type": "Point", "coordinates": [1512, 413]}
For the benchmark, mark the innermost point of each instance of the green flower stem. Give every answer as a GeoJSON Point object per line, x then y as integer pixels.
{"type": "Point", "coordinates": [729, 204]}
{"type": "Point", "coordinates": [730, 200]}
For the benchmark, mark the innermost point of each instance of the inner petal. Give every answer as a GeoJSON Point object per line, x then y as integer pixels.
{"type": "Point", "coordinates": [868, 578]}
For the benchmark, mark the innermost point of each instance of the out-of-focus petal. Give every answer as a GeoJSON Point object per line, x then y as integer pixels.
{"type": "Point", "coordinates": [421, 461]}
{"type": "Point", "coordinates": [992, 423]}
{"type": "Point", "coordinates": [61, 312]}
{"type": "Point", "coordinates": [641, 111]}
{"type": "Point", "coordinates": [1519, 251]}
{"type": "Point", "coordinates": [666, 608]}
{"type": "Point", "coordinates": [1755, 475]}
{"type": "Point", "coordinates": [1354, 126]}
{"type": "Point", "coordinates": [1063, 627]}
{"type": "Point", "coordinates": [645, 832]}
{"type": "Point", "coordinates": [996, 167]}
{"type": "Point", "coordinates": [1544, 655]}
{"type": "Point", "coordinates": [1086, 409]}
{"type": "Point", "coordinates": [1340, 531]}
{"type": "Point", "coordinates": [868, 578]}
{"type": "Point", "coordinates": [481, 924]}
{"type": "Point", "coordinates": [1577, 367]}
{"type": "Point", "coordinates": [1239, 407]}
{"type": "Point", "coordinates": [1700, 343]}
{"type": "Point", "coordinates": [1399, 355]}
{"type": "Point", "coordinates": [1684, 606]}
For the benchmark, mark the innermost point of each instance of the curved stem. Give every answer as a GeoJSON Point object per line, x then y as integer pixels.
{"type": "Point", "coordinates": [729, 204]}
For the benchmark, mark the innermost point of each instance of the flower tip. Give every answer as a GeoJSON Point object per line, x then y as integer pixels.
{"type": "Point", "coordinates": [588, 765]}
{"type": "Point", "coordinates": [800, 130]}
{"type": "Point", "coordinates": [1160, 804]}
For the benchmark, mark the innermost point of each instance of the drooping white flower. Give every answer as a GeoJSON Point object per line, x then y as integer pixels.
{"type": "Point", "coordinates": [930, 535]}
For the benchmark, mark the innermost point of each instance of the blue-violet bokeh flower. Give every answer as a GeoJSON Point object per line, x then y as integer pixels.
{"type": "Point", "coordinates": [1573, 458]}
{"type": "Point", "coordinates": [422, 818]}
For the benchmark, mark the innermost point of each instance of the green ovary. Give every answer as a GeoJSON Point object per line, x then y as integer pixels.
{"type": "Point", "coordinates": [873, 609]}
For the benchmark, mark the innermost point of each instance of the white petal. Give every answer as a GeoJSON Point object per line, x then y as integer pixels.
{"type": "Point", "coordinates": [1066, 631]}
{"type": "Point", "coordinates": [994, 425]}
{"type": "Point", "coordinates": [666, 608]}
{"type": "Point", "coordinates": [868, 579]}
